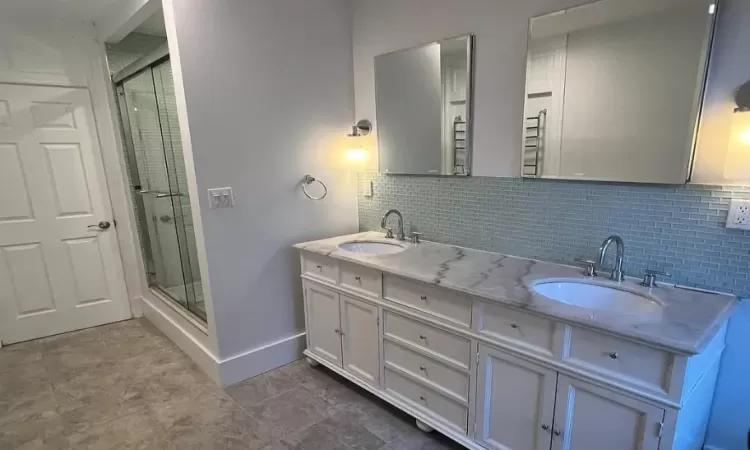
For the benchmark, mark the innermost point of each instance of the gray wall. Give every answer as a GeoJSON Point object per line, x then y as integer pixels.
{"type": "Point", "coordinates": [268, 91]}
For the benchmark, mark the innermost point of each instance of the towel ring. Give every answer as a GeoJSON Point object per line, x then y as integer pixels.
{"type": "Point", "coordinates": [308, 180]}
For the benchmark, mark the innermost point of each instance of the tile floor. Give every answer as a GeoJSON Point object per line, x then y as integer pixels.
{"type": "Point", "coordinates": [126, 386]}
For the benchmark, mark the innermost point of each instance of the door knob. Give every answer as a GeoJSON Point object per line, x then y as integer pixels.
{"type": "Point", "coordinates": [103, 225]}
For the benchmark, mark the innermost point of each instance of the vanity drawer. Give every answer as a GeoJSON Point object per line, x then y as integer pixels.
{"type": "Point", "coordinates": [321, 267]}
{"type": "Point", "coordinates": [621, 359]}
{"type": "Point", "coordinates": [443, 343]}
{"type": "Point", "coordinates": [427, 369]}
{"type": "Point", "coordinates": [432, 300]}
{"type": "Point", "coordinates": [451, 412]}
{"type": "Point", "coordinates": [357, 278]}
{"type": "Point", "coordinates": [516, 328]}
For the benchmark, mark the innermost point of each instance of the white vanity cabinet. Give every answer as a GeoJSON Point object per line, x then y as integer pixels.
{"type": "Point", "coordinates": [322, 314]}
{"type": "Point", "coordinates": [515, 402]}
{"type": "Point", "coordinates": [493, 376]}
{"type": "Point", "coordinates": [344, 331]}
{"type": "Point", "coordinates": [588, 417]}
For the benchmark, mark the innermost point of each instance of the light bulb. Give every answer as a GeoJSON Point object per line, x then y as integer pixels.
{"type": "Point", "coordinates": [356, 154]}
{"type": "Point", "coordinates": [744, 136]}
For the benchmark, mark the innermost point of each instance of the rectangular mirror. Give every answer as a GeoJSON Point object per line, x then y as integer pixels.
{"type": "Point", "coordinates": [423, 101]}
{"type": "Point", "coordinates": [614, 90]}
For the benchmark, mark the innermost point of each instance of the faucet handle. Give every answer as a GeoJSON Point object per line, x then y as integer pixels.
{"type": "Point", "coordinates": [589, 266]}
{"type": "Point", "coordinates": [388, 232]}
{"type": "Point", "coordinates": [649, 278]}
{"type": "Point", "coordinates": [415, 237]}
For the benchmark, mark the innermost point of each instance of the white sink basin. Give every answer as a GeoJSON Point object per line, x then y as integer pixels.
{"type": "Point", "coordinates": [598, 297]}
{"type": "Point", "coordinates": [372, 247]}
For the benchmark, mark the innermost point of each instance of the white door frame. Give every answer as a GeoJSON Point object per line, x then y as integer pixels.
{"type": "Point", "coordinates": [73, 58]}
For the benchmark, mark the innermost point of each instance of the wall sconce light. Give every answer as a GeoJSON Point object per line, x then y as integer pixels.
{"type": "Point", "coordinates": [742, 98]}
{"type": "Point", "coordinates": [356, 152]}
{"type": "Point", "coordinates": [362, 128]}
{"type": "Point", "coordinates": [741, 119]}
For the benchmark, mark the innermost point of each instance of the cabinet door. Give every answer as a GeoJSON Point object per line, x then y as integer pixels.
{"type": "Point", "coordinates": [588, 417]}
{"type": "Point", "coordinates": [515, 402]}
{"type": "Point", "coordinates": [323, 331]}
{"type": "Point", "coordinates": [359, 327]}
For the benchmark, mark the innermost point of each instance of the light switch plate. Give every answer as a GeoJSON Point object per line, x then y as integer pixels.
{"type": "Point", "coordinates": [368, 188]}
{"type": "Point", "coordinates": [739, 214]}
{"type": "Point", "coordinates": [221, 198]}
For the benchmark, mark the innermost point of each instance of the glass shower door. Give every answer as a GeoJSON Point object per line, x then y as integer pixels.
{"type": "Point", "coordinates": [158, 177]}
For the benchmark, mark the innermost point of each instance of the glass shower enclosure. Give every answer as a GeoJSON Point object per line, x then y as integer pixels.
{"type": "Point", "coordinates": [151, 132]}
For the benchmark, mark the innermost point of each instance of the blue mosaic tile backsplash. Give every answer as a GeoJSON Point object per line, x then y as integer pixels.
{"type": "Point", "coordinates": [679, 229]}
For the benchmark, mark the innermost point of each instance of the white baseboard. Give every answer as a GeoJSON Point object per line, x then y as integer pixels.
{"type": "Point", "coordinates": [184, 334]}
{"type": "Point", "coordinates": [262, 359]}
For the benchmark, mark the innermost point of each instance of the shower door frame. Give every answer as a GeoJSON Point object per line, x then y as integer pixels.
{"type": "Point", "coordinates": [148, 62]}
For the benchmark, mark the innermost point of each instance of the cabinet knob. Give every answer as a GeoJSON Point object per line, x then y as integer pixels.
{"type": "Point", "coordinates": [514, 325]}
{"type": "Point", "coordinates": [337, 331]}
{"type": "Point", "coordinates": [613, 355]}
{"type": "Point", "coordinates": [423, 398]}
{"type": "Point", "coordinates": [423, 368]}
{"type": "Point", "coordinates": [545, 427]}
{"type": "Point", "coordinates": [423, 297]}
{"type": "Point", "coordinates": [422, 336]}
{"type": "Point", "coordinates": [557, 432]}
{"type": "Point", "coordinates": [319, 267]}
{"type": "Point", "coordinates": [359, 279]}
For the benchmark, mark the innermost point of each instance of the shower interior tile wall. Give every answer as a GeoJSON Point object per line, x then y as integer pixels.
{"type": "Point", "coordinates": [119, 55]}
{"type": "Point", "coordinates": [680, 229]}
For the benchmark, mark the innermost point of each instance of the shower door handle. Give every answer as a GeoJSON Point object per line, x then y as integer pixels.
{"type": "Point", "coordinates": [101, 226]}
{"type": "Point", "coordinates": [160, 194]}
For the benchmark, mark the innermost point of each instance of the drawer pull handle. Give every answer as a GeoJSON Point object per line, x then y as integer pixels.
{"type": "Point", "coordinates": [557, 432]}
{"type": "Point", "coordinates": [423, 368]}
{"type": "Point", "coordinates": [545, 427]}
{"type": "Point", "coordinates": [423, 297]}
{"type": "Point", "coordinates": [423, 337]}
{"type": "Point", "coordinates": [359, 279]}
{"type": "Point", "coordinates": [319, 267]}
{"type": "Point", "coordinates": [614, 355]}
{"type": "Point", "coordinates": [514, 326]}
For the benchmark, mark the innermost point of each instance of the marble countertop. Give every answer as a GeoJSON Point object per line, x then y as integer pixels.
{"type": "Point", "coordinates": [687, 322]}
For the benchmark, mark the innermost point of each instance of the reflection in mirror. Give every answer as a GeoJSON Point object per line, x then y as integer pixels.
{"type": "Point", "coordinates": [423, 101]}
{"type": "Point", "coordinates": [614, 90]}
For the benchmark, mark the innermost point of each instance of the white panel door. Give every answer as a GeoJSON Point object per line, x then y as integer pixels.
{"type": "Point", "coordinates": [515, 402]}
{"type": "Point", "coordinates": [57, 272]}
{"type": "Point", "coordinates": [323, 322]}
{"type": "Point", "coordinates": [588, 417]}
{"type": "Point", "coordinates": [359, 339]}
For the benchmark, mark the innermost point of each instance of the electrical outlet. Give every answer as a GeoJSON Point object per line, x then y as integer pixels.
{"type": "Point", "coordinates": [221, 198]}
{"type": "Point", "coordinates": [739, 214]}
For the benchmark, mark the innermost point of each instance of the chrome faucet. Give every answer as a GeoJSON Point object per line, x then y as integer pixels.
{"type": "Point", "coordinates": [389, 231]}
{"type": "Point", "coordinates": [617, 273]}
